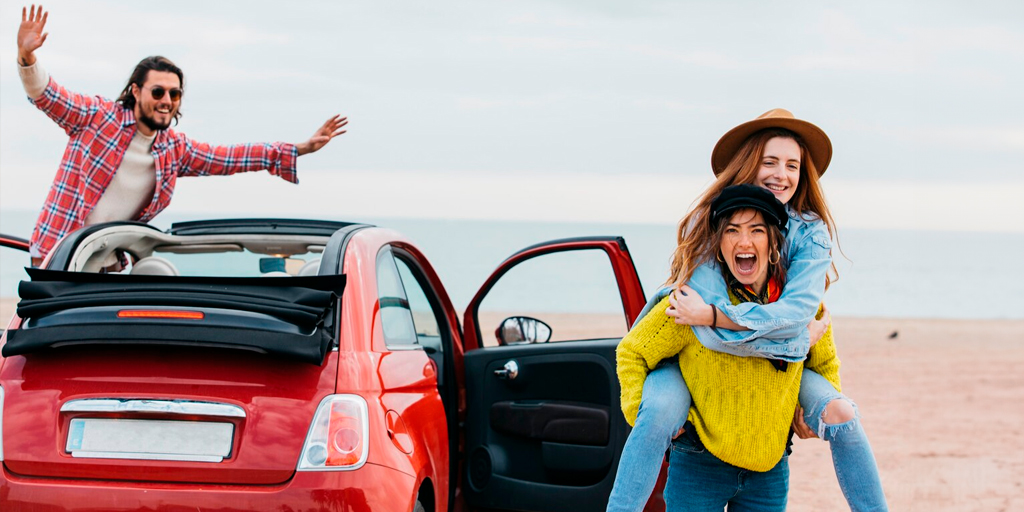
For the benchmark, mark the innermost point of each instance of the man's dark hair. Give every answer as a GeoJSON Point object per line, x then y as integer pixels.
{"type": "Point", "coordinates": [155, 63]}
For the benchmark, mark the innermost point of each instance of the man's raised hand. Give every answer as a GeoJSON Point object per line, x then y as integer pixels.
{"type": "Point", "coordinates": [331, 129]}
{"type": "Point", "coordinates": [30, 34]}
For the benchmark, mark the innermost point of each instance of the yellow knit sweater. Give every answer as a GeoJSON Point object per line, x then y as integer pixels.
{"type": "Point", "coordinates": [742, 406]}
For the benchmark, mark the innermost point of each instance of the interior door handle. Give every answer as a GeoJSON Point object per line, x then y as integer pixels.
{"type": "Point", "coordinates": [509, 372]}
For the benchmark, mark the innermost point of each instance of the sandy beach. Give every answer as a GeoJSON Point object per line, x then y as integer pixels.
{"type": "Point", "coordinates": [941, 402]}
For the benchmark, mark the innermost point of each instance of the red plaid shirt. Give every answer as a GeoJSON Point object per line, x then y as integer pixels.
{"type": "Point", "coordinates": [100, 132]}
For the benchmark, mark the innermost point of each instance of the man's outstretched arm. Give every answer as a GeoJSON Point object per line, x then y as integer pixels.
{"type": "Point", "coordinates": [331, 129]}
{"type": "Point", "coordinates": [279, 158]}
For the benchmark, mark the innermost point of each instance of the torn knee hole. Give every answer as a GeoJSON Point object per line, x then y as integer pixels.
{"type": "Point", "coordinates": [838, 411]}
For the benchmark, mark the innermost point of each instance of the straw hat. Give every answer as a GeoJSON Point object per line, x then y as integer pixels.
{"type": "Point", "coordinates": [817, 142]}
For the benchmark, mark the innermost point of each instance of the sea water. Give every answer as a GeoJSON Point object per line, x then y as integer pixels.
{"type": "Point", "coordinates": [883, 273]}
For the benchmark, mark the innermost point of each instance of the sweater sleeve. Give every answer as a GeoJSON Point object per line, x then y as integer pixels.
{"type": "Point", "coordinates": [655, 337]}
{"type": "Point", "coordinates": [34, 79]}
{"type": "Point", "coordinates": [823, 358]}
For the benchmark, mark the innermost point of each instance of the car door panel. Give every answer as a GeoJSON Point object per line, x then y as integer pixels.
{"type": "Point", "coordinates": [557, 422]}
{"type": "Point", "coordinates": [552, 421]}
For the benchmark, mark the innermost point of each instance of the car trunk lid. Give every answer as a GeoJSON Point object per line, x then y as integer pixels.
{"type": "Point", "coordinates": [159, 413]}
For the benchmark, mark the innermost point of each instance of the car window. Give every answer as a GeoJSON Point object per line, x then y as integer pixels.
{"type": "Point", "coordinates": [395, 312]}
{"type": "Point", "coordinates": [423, 315]}
{"type": "Point", "coordinates": [236, 263]}
{"type": "Point", "coordinates": [573, 292]}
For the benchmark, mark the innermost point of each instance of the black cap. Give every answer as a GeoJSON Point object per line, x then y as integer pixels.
{"type": "Point", "coordinates": [749, 196]}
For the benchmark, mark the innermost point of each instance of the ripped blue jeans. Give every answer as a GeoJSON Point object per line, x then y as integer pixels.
{"type": "Point", "coordinates": [852, 457]}
{"type": "Point", "coordinates": [663, 409]}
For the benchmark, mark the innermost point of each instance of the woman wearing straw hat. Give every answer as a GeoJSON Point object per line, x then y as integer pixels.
{"type": "Point", "coordinates": [786, 156]}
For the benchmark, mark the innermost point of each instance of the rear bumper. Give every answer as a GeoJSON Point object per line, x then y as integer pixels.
{"type": "Point", "coordinates": [371, 487]}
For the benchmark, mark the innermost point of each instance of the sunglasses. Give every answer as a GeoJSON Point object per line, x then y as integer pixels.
{"type": "Point", "coordinates": [158, 93]}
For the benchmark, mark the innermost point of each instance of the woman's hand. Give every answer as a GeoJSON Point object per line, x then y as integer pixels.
{"type": "Point", "coordinates": [817, 328]}
{"type": "Point", "coordinates": [682, 430]}
{"type": "Point", "coordinates": [800, 426]}
{"type": "Point", "coordinates": [688, 308]}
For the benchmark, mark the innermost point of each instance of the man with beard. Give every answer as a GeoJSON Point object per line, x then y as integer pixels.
{"type": "Point", "coordinates": [122, 161]}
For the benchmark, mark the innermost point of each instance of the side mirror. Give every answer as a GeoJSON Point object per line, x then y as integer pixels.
{"type": "Point", "coordinates": [522, 329]}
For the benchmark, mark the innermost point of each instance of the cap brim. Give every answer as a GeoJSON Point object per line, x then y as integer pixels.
{"type": "Point", "coordinates": [818, 144]}
{"type": "Point", "coordinates": [764, 209]}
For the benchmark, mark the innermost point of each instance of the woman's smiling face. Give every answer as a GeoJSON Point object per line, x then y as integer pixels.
{"type": "Point", "coordinates": [745, 248]}
{"type": "Point", "coordinates": [780, 168]}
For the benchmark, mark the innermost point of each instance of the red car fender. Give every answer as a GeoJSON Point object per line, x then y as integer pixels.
{"type": "Point", "coordinates": [404, 385]}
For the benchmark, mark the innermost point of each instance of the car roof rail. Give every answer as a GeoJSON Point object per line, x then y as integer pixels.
{"type": "Point", "coordinates": [66, 247]}
{"type": "Point", "coordinates": [333, 258]}
{"type": "Point", "coordinates": [258, 227]}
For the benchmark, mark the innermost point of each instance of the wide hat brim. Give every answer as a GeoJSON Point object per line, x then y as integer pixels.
{"type": "Point", "coordinates": [738, 197]}
{"type": "Point", "coordinates": [818, 144]}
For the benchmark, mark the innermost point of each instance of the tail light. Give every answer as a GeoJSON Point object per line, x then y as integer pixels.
{"type": "Point", "coordinates": [160, 313]}
{"type": "Point", "coordinates": [337, 437]}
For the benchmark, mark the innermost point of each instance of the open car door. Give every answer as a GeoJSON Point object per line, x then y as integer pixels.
{"type": "Point", "coordinates": [13, 242]}
{"type": "Point", "coordinates": [544, 429]}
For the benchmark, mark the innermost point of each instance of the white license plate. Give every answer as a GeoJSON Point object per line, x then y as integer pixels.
{"type": "Point", "coordinates": [108, 438]}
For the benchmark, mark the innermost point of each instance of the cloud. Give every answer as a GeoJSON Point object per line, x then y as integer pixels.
{"type": "Point", "coordinates": [959, 136]}
{"type": "Point", "coordinates": [853, 43]}
{"type": "Point", "coordinates": [712, 59]}
{"type": "Point", "coordinates": [677, 105]}
{"type": "Point", "coordinates": [576, 86]}
{"type": "Point", "coordinates": [927, 205]}
{"type": "Point", "coordinates": [511, 101]}
{"type": "Point", "coordinates": [543, 43]}
{"type": "Point", "coordinates": [223, 71]}
{"type": "Point", "coordinates": [214, 35]}
{"type": "Point", "coordinates": [989, 38]}
{"type": "Point", "coordinates": [547, 21]}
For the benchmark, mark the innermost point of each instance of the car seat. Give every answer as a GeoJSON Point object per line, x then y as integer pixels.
{"type": "Point", "coordinates": [310, 268]}
{"type": "Point", "coordinates": [154, 266]}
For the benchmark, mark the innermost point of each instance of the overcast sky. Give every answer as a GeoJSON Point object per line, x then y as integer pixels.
{"type": "Point", "coordinates": [563, 110]}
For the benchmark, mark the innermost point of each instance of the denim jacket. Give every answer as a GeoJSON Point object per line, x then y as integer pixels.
{"type": "Point", "coordinates": [777, 330]}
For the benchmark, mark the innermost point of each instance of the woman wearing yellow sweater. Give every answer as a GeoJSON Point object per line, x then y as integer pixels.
{"type": "Point", "coordinates": [787, 157]}
{"type": "Point", "coordinates": [742, 407]}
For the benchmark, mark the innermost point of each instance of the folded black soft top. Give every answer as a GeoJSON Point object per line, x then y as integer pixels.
{"type": "Point", "coordinates": [300, 301]}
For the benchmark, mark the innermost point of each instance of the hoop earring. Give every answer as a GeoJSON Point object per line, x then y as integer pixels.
{"type": "Point", "coordinates": [778, 256]}
{"type": "Point", "coordinates": [719, 257]}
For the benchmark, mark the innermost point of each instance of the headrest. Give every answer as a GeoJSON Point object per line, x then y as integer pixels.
{"type": "Point", "coordinates": [154, 266]}
{"type": "Point", "coordinates": [310, 268]}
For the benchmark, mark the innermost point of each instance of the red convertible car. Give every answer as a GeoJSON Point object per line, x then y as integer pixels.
{"type": "Point", "coordinates": [319, 366]}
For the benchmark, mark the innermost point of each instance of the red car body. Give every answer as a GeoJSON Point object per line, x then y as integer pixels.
{"type": "Point", "coordinates": [432, 440]}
